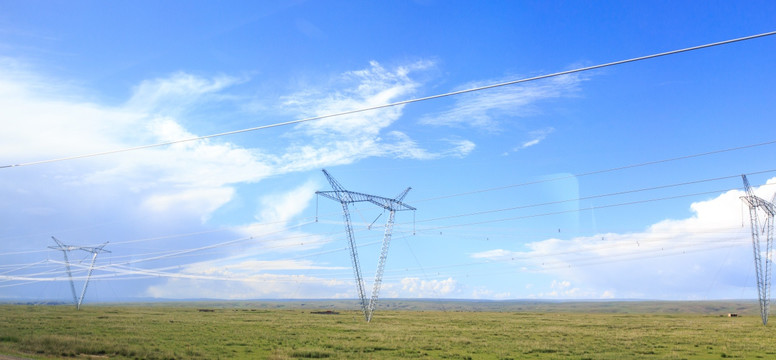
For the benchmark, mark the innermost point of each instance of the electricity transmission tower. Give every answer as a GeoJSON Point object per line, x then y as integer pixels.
{"type": "Point", "coordinates": [67, 248]}
{"type": "Point", "coordinates": [762, 266]}
{"type": "Point", "coordinates": [346, 197]}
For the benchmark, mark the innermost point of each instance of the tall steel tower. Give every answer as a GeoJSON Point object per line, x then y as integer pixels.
{"type": "Point", "coordinates": [67, 248]}
{"type": "Point", "coordinates": [346, 197]}
{"type": "Point", "coordinates": [762, 266]}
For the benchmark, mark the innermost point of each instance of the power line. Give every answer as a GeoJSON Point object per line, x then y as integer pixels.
{"type": "Point", "coordinates": [593, 261]}
{"type": "Point", "coordinates": [592, 196]}
{"type": "Point", "coordinates": [534, 256]}
{"type": "Point", "coordinates": [398, 103]}
{"type": "Point", "coordinates": [654, 162]}
{"type": "Point", "coordinates": [118, 272]}
{"type": "Point", "coordinates": [420, 229]}
{"type": "Point", "coordinates": [595, 172]}
{"type": "Point", "coordinates": [177, 253]}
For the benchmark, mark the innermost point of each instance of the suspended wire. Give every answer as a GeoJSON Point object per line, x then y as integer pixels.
{"type": "Point", "coordinates": [122, 272]}
{"type": "Point", "coordinates": [117, 271]}
{"type": "Point", "coordinates": [574, 264]}
{"type": "Point", "coordinates": [398, 103]}
{"type": "Point", "coordinates": [575, 210]}
{"type": "Point", "coordinates": [586, 249]}
{"type": "Point", "coordinates": [496, 189]}
{"type": "Point", "coordinates": [159, 272]}
{"type": "Point", "coordinates": [17, 267]}
{"type": "Point", "coordinates": [185, 252]}
{"type": "Point", "coordinates": [655, 162]}
{"type": "Point", "coordinates": [177, 253]}
{"type": "Point", "coordinates": [611, 258]}
{"type": "Point", "coordinates": [594, 197]}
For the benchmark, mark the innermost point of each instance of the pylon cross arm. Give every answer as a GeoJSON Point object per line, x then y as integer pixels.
{"type": "Point", "coordinates": [350, 197]}
{"type": "Point", "coordinates": [758, 202]}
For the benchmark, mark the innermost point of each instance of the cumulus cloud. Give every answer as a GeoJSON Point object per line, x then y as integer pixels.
{"type": "Point", "coordinates": [190, 178]}
{"type": "Point", "coordinates": [483, 293]}
{"type": "Point", "coordinates": [39, 124]}
{"type": "Point", "coordinates": [237, 274]}
{"type": "Point", "coordinates": [705, 255]}
{"type": "Point", "coordinates": [412, 287]}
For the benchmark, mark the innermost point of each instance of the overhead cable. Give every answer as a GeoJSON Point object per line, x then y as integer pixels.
{"type": "Point", "coordinates": [590, 197]}
{"type": "Point", "coordinates": [398, 103]}
{"type": "Point", "coordinates": [572, 176]}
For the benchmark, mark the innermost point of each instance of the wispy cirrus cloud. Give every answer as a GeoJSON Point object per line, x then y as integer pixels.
{"type": "Point", "coordinates": [488, 109]}
{"type": "Point", "coordinates": [536, 137]}
{"type": "Point", "coordinates": [348, 138]}
{"type": "Point", "coordinates": [355, 90]}
{"type": "Point", "coordinates": [178, 92]}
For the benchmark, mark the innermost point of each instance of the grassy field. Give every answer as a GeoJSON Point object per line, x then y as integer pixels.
{"type": "Point", "coordinates": [400, 329]}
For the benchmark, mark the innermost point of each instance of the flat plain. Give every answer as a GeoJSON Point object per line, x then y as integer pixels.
{"type": "Point", "coordinates": [399, 329]}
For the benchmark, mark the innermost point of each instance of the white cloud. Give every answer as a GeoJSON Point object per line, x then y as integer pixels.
{"type": "Point", "coordinates": [283, 207]}
{"type": "Point", "coordinates": [200, 201]}
{"type": "Point", "coordinates": [486, 109]}
{"type": "Point", "coordinates": [261, 286]}
{"type": "Point", "coordinates": [490, 294]}
{"type": "Point", "coordinates": [349, 138]}
{"type": "Point", "coordinates": [707, 255]}
{"type": "Point", "coordinates": [461, 148]}
{"type": "Point", "coordinates": [357, 90]}
{"type": "Point", "coordinates": [273, 219]}
{"type": "Point", "coordinates": [187, 183]}
{"type": "Point", "coordinates": [197, 176]}
{"type": "Point", "coordinates": [402, 146]}
{"type": "Point", "coordinates": [564, 289]}
{"type": "Point", "coordinates": [246, 268]}
{"type": "Point", "coordinates": [536, 137]}
{"type": "Point", "coordinates": [174, 94]}
{"type": "Point", "coordinates": [412, 287]}
{"type": "Point", "coordinates": [40, 125]}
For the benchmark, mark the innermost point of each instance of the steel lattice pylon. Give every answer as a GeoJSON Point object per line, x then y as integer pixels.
{"type": "Point", "coordinates": [762, 266]}
{"type": "Point", "coordinates": [346, 197]}
{"type": "Point", "coordinates": [67, 248]}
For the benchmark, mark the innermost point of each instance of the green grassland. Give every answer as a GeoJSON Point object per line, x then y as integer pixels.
{"type": "Point", "coordinates": [399, 329]}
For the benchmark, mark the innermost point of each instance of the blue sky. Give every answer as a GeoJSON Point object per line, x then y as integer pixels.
{"type": "Point", "coordinates": [511, 203]}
